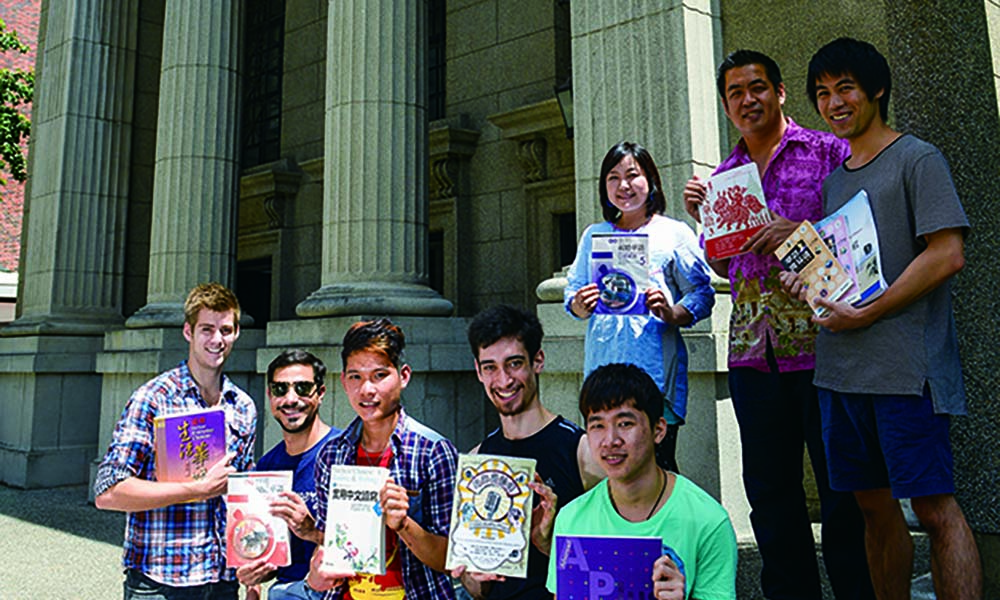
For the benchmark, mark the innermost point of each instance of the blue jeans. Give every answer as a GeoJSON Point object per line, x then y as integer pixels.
{"type": "Point", "coordinates": [777, 414]}
{"type": "Point", "coordinates": [139, 587]}
{"type": "Point", "coordinates": [295, 590]}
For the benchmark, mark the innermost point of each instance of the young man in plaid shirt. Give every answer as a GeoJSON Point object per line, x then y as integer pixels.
{"type": "Point", "coordinates": [175, 532]}
{"type": "Point", "coordinates": [416, 500]}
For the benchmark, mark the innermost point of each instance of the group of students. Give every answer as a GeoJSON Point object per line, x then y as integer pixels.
{"type": "Point", "coordinates": [867, 390]}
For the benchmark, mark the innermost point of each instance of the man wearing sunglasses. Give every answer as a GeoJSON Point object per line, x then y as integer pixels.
{"type": "Point", "coordinates": [295, 389]}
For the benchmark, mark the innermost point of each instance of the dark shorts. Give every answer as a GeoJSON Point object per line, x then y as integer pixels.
{"type": "Point", "coordinates": [875, 441]}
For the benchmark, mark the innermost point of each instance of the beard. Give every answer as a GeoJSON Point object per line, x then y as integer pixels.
{"type": "Point", "coordinates": [306, 423]}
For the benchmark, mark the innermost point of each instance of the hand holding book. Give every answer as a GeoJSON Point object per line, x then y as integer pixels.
{"type": "Point", "coordinates": [668, 581]}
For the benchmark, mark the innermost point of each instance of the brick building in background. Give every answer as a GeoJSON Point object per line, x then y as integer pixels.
{"type": "Point", "coordinates": [22, 17]}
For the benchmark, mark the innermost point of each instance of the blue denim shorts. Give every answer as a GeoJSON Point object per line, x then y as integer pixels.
{"type": "Point", "coordinates": [876, 441]}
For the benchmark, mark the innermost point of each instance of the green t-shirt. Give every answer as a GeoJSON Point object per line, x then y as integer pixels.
{"type": "Point", "coordinates": [695, 529]}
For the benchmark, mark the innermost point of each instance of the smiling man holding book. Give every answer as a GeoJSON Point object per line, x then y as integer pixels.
{"type": "Point", "coordinates": [175, 531]}
{"type": "Point", "coordinates": [696, 554]}
{"type": "Point", "coordinates": [416, 499]}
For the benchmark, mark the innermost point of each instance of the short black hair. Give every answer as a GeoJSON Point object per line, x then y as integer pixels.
{"type": "Point", "coordinates": [656, 203]}
{"type": "Point", "coordinates": [505, 320]}
{"type": "Point", "coordinates": [298, 357]}
{"type": "Point", "coordinates": [616, 384]}
{"type": "Point", "coordinates": [380, 336]}
{"type": "Point", "coordinates": [742, 58]}
{"type": "Point", "coordinates": [860, 60]}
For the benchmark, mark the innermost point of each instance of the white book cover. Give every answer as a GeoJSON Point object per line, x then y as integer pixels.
{"type": "Point", "coordinates": [863, 237]}
{"type": "Point", "coordinates": [354, 541]}
{"type": "Point", "coordinates": [491, 515]}
{"type": "Point", "coordinates": [734, 209]}
{"type": "Point", "coordinates": [252, 532]}
{"type": "Point", "coordinates": [619, 265]}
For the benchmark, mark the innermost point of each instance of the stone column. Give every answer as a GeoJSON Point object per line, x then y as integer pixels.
{"type": "Point", "coordinates": [940, 57]}
{"type": "Point", "coordinates": [197, 168]}
{"type": "Point", "coordinates": [75, 221]}
{"type": "Point", "coordinates": [73, 242]}
{"type": "Point", "coordinates": [375, 209]}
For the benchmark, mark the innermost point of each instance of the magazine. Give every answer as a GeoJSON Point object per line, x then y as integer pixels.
{"type": "Point", "coordinates": [354, 541]}
{"type": "Point", "coordinates": [619, 265]}
{"type": "Point", "coordinates": [491, 515]}
{"type": "Point", "coordinates": [186, 444]}
{"type": "Point", "coordinates": [807, 254]}
{"type": "Point", "coordinates": [252, 532]}
{"type": "Point", "coordinates": [733, 211]}
{"type": "Point", "coordinates": [605, 567]}
{"type": "Point", "coordinates": [861, 243]}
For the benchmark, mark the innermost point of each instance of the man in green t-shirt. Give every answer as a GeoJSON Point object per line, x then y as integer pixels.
{"type": "Point", "coordinates": [623, 410]}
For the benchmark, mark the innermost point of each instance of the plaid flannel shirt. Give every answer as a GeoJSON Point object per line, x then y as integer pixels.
{"type": "Point", "coordinates": [423, 461]}
{"type": "Point", "coordinates": [183, 544]}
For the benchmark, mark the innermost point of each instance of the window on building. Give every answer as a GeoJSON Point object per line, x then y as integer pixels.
{"type": "Point", "coordinates": [435, 261]}
{"type": "Point", "coordinates": [436, 16]}
{"type": "Point", "coordinates": [566, 238]}
{"type": "Point", "coordinates": [253, 288]}
{"type": "Point", "coordinates": [263, 57]}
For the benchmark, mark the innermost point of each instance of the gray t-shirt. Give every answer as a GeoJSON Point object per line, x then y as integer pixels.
{"type": "Point", "coordinates": [912, 194]}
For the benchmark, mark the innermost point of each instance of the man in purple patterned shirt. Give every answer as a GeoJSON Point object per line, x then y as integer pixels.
{"type": "Point", "coordinates": [772, 341]}
{"type": "Point", "coordinates": [175, 532]}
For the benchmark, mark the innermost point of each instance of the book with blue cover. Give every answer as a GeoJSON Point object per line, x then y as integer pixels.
{"type": "Point", "coordinates": [861, 241]}
{"type": "Point", "coordinates": [604, 567]}
{"type": "Point", "coordinates": [619, 265]}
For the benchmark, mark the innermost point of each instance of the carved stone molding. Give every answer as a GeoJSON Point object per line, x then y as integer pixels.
{"type": "Point", "coordinates": [272, 185]}
{"type": "Point", "coordinates": [449, 151]}
{"type": "Point", "coordinates": [535, 128]}
{"type": "Point", "coordinates": [533, 160]}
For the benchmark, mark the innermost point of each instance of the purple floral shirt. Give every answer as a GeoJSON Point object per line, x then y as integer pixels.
{"type": "Point", "coordinates": [793, 188]}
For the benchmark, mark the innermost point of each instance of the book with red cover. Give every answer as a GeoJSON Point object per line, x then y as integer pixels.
{"type": "Point", "coordinates": [252, 532]}
{"type": "Point", "coordinates": [589, 567]}
{"type": "Point", "coordinates": [734, 209]}
{"type": "Point", "coordinates": [186, 444]}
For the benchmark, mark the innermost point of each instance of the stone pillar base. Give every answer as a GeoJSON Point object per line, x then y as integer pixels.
{"type": "Point", "coordinates": [162, 314]}
{"type": "Point", "coordinates": [131, 357]}
{"type": "Point", "coordinates": [63, 324]}
{"type": "Point", "coordinates": [379, 298]}
{"type": "Point", "coordinates": [443, 393]}
{"type": "Point", "coordinates": [49, 399]}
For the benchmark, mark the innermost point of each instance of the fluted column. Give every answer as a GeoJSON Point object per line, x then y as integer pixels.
{"type": "Point", "coordinates": [75, 224]}
{"type": "Point", "coordinates": [196, 178]}
{"type": "Point", "coordinates": [375, 208]}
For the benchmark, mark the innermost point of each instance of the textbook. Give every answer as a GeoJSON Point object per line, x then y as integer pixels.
{"type": "Point", "coordinates": [733, 211]}
{"type": "Point", "coordinates": [619, 265]}
{"type": "Point", "coordinates": [187, 444]}
{"type": "Point", "coordinates": [491, 515]}
{"type": "Point", "coordinates": [860, 243]}
{"type": "Point", "coordinates": [593, 567]}
{"type": "Point", "coordinates": [354, 541]}
{"type": "Point", "coordinates": [252, 532]}
{"type": "Point", "coordinates": [807, 254]}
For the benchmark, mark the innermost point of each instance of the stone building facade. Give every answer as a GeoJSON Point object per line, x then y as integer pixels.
{"type": "Point", "coordinates": [335, 159]}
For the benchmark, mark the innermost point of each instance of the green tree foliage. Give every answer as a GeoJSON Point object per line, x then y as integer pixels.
{"type": "Point", "coordinates": [17, 87]}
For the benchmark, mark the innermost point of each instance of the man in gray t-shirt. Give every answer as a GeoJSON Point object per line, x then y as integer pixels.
{"type": "Point", "coordinates": [888, 373]}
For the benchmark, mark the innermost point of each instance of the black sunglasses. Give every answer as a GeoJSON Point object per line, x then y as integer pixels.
{"type": "Point", "coordinates": [303, 389]}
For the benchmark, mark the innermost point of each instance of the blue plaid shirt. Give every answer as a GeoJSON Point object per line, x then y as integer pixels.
{"type": "Point", "coordinates": [182, 544]}
{"type": "Point", "coordinates": [423, 461]}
